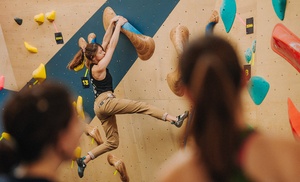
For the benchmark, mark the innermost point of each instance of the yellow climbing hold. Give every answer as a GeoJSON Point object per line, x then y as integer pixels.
{"type": "Point", "coordinates": [5, 136]}
{"type": "Point", "coordinates": [51, 16]}
{"type": "Point", "coordinates": [74, 104]}
{"type": "Point", "coordinates": [79, 67]}
{"type": "Point", "coordinates": [76, 155]}
{"type": "Point", "coordinates": [30, 48]}
{"type": "Point", "coordinates": [39, 18]}
{"type": "Point", "coordinates": [77, 152]}
{"type": "Point", "coordinates": [40, 73]}
{"type": "Point", "coordinates": [79, 107]}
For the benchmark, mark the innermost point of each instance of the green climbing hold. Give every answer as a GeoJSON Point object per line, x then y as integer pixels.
{"type": "Point", "coordinates": [279, 8]}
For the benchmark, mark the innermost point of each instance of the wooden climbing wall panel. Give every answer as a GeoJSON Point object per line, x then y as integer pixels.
{"type": "Point", "coordinates": [146, 142]}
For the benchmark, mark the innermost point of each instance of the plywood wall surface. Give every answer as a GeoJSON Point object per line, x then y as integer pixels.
{"type": "Point", "coordinates": [146, 142]}
{"type": "Point", "coordinates": [6, 68]}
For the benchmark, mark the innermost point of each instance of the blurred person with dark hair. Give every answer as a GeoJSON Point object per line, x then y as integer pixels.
{"type": "Point", "coordinates": [222, 147]}
{"type": "Point", "coordinates": [42, 130]}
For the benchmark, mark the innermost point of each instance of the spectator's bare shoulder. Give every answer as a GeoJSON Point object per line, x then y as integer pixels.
{"type": "Point", "coordinates": [182, 166]}
{"type": "Point", "coordinates": [273, 157]}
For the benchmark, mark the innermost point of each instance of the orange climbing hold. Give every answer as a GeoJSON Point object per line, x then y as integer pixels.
{"type": "Point", "coordinates": [294, 118]}
{"type": "Point", "coordinates": [286, 44]}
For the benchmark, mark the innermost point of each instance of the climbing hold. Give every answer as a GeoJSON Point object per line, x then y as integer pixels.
{"type": "Point", "coordinates": [228, 12]}
{"type": "Point", "coordinates": [143, 44]}
{"type": "Point", "coordinates": [76, 155]}
{"type": "Point", "coordinates": [254, 46]}
{"type": "Point", "coordinates": [253, 52]}
{"type": "Point", "coordinates": [39, 18]}
{"type": "Point", "coordinates": [30, 48]}
{"type": "Point", "coordinates": [213, 20]}
{"type": "Point", "coordinates": [79, 67]}
{"type": "Point", "coordinates": [127, 26]}
{"type": "Point", "coordinates": [5, 136]}
{"type": "Point", "coordinates": [248, 55]}
{"type": "Point", "coordinates": [74, 104]}
{"type": "Point", "coordinates": [19, 21]}
{"type": "Point", "coordinates": [40, 73]}
{"type": "Point", "coordinates": [214, 17]}
{"type": "Point", "coordinates": [79, 107]}
{"type": "Point", "coordinates": [286, 44]}
{"type": "Point", "coordinates": [258, 88]}
{"type": "Point", "coordinates": [2, 79]}
{"type": "Point", "coordinates": [92, 38]}
{"type": "Point", "coordinates": [294, 119]}
{"type": "Point", "coordinates": [279, 8]}
{"type": "Point", "coordinates": [179, 36]}
{"type": "Point", "coordinates": [50, 16]}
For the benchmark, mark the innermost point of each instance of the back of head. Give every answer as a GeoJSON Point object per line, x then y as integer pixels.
{"type": "Point", "coordinates": [86, 55]}
{"type": "Point", "coordinates": [211, 72]}
{"type": "Point", "coordinates": [215, 47]}
{"type": "Point", "coordinates": [34, 117]}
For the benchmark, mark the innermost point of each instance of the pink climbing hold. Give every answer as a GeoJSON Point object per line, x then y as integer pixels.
{"type": "Point", "coordinates": [1, 82]}
{"type": "Point", "coordinates": [286, 44]}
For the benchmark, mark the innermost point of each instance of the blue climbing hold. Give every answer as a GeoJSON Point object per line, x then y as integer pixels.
{"type": "Point", "coordinates": [93, 41]}
{"type": "Point", "coordinates": [228, 12]}
{"type": "Point", "coordinates": [258, 88]}
{"type": "Point", "coordinates": [129, 27]}
{"type": "Point", "coordinates": [279, 8]}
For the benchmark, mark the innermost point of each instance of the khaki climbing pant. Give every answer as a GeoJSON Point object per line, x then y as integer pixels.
{"type": "Point", "coordinates": [106, 107]}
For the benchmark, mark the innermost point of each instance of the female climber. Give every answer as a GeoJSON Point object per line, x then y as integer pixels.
{"type": "Point", "coordinates": [97, 57]}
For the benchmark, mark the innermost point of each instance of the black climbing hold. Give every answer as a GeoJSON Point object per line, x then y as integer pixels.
{"type": "Point", "coordinates": [19, 21]}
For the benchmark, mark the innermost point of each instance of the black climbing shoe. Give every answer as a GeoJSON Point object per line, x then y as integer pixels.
{"type": "Point", "coordinates": [81, 166]}
{"type": "Point", "coordinates": [180, 119]}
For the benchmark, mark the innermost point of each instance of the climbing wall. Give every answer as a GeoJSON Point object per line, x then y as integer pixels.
{"type": "Point", "coordinates": [6, 74]}
{"type": "Point", "coordinates": [272, 115]}
{"type": "Point", "coordinates": [146, 142]}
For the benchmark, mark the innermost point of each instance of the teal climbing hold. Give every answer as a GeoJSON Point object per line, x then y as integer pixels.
{"type": "Point", "coordinates": [129, 27]}
{"type": "Point", "coordinates": [258, 88]}
{"type": "Point", "coordinates": [228, 12]}
{"type": "Point", "coordinates": [279, 8]}
{"type": "Point", "coordinates": [248, 55]}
